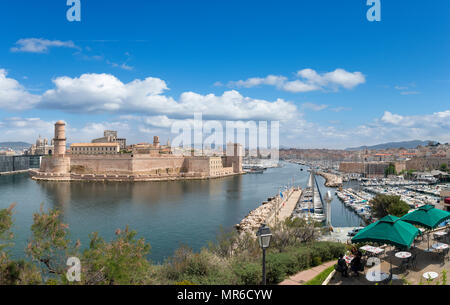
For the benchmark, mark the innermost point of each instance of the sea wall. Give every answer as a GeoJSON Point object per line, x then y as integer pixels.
{"type": "Point", "coordinates": [331, 180]}
{"type": "Point", "coordinates": [263, 213]}
{"type": "Point", "coordinates": [44, 176]}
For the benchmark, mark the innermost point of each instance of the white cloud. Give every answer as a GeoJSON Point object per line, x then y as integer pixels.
{"type": "Point", "coordinates": [297, 86]}
{"type": "Point", "coordinates": [340, 109]}
{"type": "Point", "coordinates": [39, 45]}
{"type": "Point", "coordinates": [104, 92]}
{"type": "Point", "coordinates": [391, 118]}
{"type": "Point", "coordinates": [25, 129]}
{"type": "Point", "coordinates": [13, 96]}
{"type": "Point", "coordinates": [314, 107]}
{"type": "Point", "coordinates": [309, 80]}
{"type": "Point", "coordinates": [271, 80]}
{"type": "Point", "coordinates": [123, 66]}
{"type": "Point", "coordinates": [340, 77]}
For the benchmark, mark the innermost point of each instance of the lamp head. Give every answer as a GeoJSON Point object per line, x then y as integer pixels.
{"type": "Point", "coordinates": [264, 235]}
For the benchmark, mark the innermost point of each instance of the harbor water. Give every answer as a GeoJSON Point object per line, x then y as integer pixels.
{"type": "Point", "coordinates": [166, 214]}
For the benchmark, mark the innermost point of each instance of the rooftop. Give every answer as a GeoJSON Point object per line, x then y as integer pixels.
{"type": "Point", "coordinates": [94, 144]}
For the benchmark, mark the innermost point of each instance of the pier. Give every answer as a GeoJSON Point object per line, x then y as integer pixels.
{"type": "Point", "coordinates": [271, 212]}
{"type": "Point", "coordinates": [286, 208]}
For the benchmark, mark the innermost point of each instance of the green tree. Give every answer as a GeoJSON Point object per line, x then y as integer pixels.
{"type": "Point", "coordinates": [122, 261]}
{"type": "Point", "coordinates": [383, 205]}
{"type": "Point", "coordinates": [13, 272]}
{"type": "Point", "coordinates": [50, 245]}
{"type": "Point", "coordinates": [444, 167]}
{"type": "Point", "coordinates": [390, 170]}
{"type": "Point", "coordinates": [5, 227]}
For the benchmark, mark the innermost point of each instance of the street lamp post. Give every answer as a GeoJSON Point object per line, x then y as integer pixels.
{"type": "Point", "coordinates": [264, 235]}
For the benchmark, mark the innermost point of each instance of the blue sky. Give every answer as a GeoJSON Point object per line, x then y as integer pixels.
{"type": "Point", "coordinates": [337, 80]}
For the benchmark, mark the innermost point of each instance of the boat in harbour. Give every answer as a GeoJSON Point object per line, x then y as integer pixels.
{"type": "Point", "coordinates": [310, 204]}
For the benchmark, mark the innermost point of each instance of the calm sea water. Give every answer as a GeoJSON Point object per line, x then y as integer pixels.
{"type": "Point", "coordinates": [166, 214]}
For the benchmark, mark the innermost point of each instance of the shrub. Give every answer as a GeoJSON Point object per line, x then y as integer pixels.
{"type": "Point", "coordinates": [248, 273]}
{"type": "Point", "coordinates": [184, 283]}
{"type": "Point", "coordinates": [316, 261]}
{"type": "Point", "coordinates": [277, 266]}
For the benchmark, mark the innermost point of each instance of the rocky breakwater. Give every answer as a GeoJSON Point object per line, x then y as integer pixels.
{"type": "Point", "coordinates": [258, 216]}
{"type": "Point", "coordinates": [331, 180]}
{"type": "Point", "coordinates": [265, 212]}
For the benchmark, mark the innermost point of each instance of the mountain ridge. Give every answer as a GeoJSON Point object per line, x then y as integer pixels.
{"type": "Point", "coordinates": [404, 144]}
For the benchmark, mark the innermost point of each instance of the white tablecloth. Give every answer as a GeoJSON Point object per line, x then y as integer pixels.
{"type": "Point", "coordinates": [440, 246]}
{"type": "Point", "coordinates": [376, 276]}
{"type": "Point", "coordinates": [430, 275]}
{"type": "Point", "coordinates": [374, 250]}
{"type": "Point", "coordinates": [402, 254]}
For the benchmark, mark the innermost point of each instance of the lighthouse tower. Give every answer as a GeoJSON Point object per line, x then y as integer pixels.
{"type": "Point", "coordinates": [60, 139]}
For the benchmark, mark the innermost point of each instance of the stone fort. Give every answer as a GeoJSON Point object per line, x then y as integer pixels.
{"type": "Point", "coordinates": [106, 162]}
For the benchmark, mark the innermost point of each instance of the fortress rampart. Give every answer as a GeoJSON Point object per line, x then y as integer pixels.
{"type": "Point", "coordinates": [133, 166]}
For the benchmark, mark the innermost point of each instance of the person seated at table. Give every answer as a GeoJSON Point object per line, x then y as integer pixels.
{"type": "Point", "coordinates": [356, 264]}
{"type": "Point", "coordinates": [342, 266]}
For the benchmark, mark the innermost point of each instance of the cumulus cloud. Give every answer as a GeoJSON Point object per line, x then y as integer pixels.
{"type": "Point", "coordinates": [25, 129]}
{"type": "Point", "coordinates": [309, 80]}
{"type": "Point", "coordinates": [39, 45]}
{"type": "Point", "coordinates": [13, 96]}
{"type": "Point", "coordinates": [390, 127]}
{"type": "Point", "coordinates": [105, 92]}
{"type": "Point", "coordinates": [272, 80]}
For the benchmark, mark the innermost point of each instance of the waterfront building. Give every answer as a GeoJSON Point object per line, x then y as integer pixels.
{"type": "Point", "coordinates": [7, 153]}
{"type": "Point", "coordinates": [145, 162]}
{"type": "Point", "coordinates": [110, 136]}
{"type": "Point", "coordinates": [94, 148]}
{"type": "Point", "coordinates": [153, 149]}
{"type": "Point", "coordinates": [42, 147]}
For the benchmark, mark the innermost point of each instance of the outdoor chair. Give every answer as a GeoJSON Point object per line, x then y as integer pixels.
{"type": "Point", "coordinates": [411, 263]}
{"type": "Point", "coordinates": [444, 254]}
{"type": "Point", "coordinates": [388, 279]}
{"type": "Point", "coordinates": [344, 273]}
{"type": "Point", "coordinates": [359, 268]}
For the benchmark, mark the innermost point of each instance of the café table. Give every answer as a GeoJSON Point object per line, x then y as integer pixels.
{"type": "Point", "coordinates": [439, 235]}
{"type": "Point", "coordinates": [373, 250]}
{"type": "Point", "coordinates": [348, 258]}
{"type": "Point", "coordinates": [376, 276]}
{"type": "Point", "coordinates": [440, 246]}
{"type": "Point", "coordinates": [430, 275]}
{"type": "Point", "coordinates": [403, 254]}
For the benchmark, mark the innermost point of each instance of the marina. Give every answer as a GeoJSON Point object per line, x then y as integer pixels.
{"type": "Point", "coordinates": [310, 205]}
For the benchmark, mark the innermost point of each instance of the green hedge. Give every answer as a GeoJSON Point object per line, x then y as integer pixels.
{"type": "Point", "coordinates": [281, 265]}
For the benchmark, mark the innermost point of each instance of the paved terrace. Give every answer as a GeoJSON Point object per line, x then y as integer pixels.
{"type": "Point", "coordinates": [425, 262]}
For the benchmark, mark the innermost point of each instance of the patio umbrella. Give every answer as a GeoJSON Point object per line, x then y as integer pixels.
{"type": "Point", "coordinates": [389, 230]}
{"type": "Point", "coordinates": [427, 216]}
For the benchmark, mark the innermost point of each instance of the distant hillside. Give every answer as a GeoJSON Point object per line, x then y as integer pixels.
{"type": "Point", "coordinates": [405, 144]}
{"type": "Point", "coordinates": [14, 145]}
